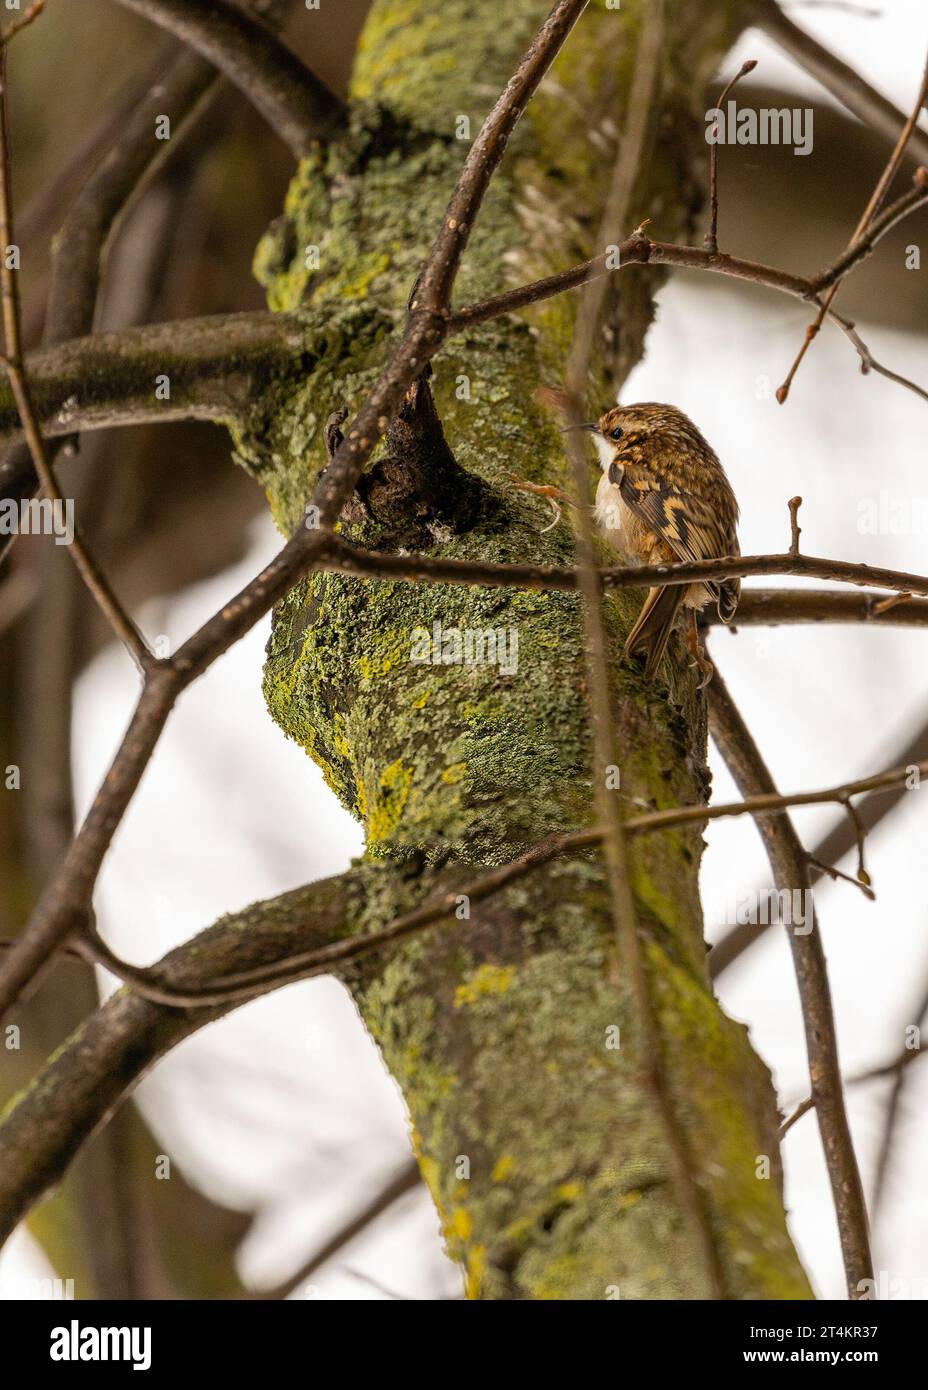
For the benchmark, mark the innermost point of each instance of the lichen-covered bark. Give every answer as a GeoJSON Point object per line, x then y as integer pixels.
{"type": "Point", "coordinates": [539, 1141]}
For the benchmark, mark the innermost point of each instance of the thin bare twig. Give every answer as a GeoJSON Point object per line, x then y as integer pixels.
{"type": "Point", "coordinates": [900, 1075]}
{"type": "Point", "coordinates": [896, 1069]}
{"type": "Point", "coordinates": [865, 244]}
{"type": "Point", "coordinates": [129, 1032]}
{"type": "Point", "coordinates": [868, 362]}
{"type": "Point", "coordinates": [834, 844]}
{"type": "Point", "coordinates": [795, 529]}
{"type": "Point", "coordinates": [152, 985]}
{"type": "Point", "coordinates": [33, 12]}
{"type": "Point", "coordinates": [874, 203]}
{"type": "Point", "coordinates": [201, 349]}
{"type": "Point", "coordinates": [433, 289]}
{"type": "Point", "coordinates": [831, 872]}
{"type": "Point", "coordinates": [406, 1179]}
{"type": "Point", "coordinates": [338, 554]}
{"type": "Point", "coordinates": [860, 836]}
{"type": "Point", "coordinates": [711, 239]}
{"type": "Point", "coordinates": [791, 872]}
{"type": "Point", "coordinates": [637, 249]}
{"type": "Point", "coordinates": [248, 984]}
{"type": "Point", "coordinates": [640, 249]}
{"type": "Point", "coordinates": [765, 804]}
{"type": "Point", "coordinates": [802, 1109]}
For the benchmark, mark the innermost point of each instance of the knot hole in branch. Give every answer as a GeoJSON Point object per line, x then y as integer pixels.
{"type": "Point", "coordinates": [416, 493]}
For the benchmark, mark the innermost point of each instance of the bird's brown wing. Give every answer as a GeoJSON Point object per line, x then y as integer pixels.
{"type": "Point", "coordinates": [690, 525]}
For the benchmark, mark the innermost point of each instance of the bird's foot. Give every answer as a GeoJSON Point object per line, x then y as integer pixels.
{"type": "Point", "coordinates": [698, 653]}
{"type": "Point", "coordinates": [553, 495]}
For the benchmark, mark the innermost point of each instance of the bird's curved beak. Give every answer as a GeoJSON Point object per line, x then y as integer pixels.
{"type": "Point", "coordinates": [592, 426]}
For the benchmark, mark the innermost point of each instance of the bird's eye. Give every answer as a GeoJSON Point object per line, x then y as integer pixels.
{"type": "Point", "coordinates": [617, 432]}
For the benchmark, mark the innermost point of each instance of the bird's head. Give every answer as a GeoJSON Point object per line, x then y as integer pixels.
{"type": "Point", "coordinates": [626, 430]}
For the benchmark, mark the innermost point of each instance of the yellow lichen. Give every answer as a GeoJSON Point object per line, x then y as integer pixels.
{"type": "Point", "coordinates": [476, 1264]}
{"type": "Point", "coordinates": [488, 979]}
{"type": "Point", "coordinates": [389, 649]}
{"type": "Point", "coordinates": [503, 1168]}
{"type": "Point", "coordinates": [382, 808]}
{"type": "Point", "coordinates": [358, 287]}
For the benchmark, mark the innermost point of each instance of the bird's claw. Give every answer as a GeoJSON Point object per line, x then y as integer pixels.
{"type": "Point", "coordinates": [707, 670]}
{"type": "Point", "coordinates": [554, 496]}
{"type": "Point", "coordinates": [698, 653]}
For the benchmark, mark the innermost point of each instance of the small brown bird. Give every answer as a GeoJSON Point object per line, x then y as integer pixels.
{"type": "Point", "coordinates": [664, 498]}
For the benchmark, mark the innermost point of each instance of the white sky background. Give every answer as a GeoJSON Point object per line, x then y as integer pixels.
{"type": "Point", "coordinates": [286, 1105]}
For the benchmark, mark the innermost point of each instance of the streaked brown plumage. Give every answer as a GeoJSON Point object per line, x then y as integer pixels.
{"type": "Point", "coordinates": [664, 498]}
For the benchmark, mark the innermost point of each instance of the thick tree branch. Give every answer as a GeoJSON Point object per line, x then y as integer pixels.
{"type": "Point", "coordinates": [156, 985]}
{"type": "Point", "coordinates": [79, 247]}
{"type": "Point", "coordinates": [774, 607]}
{"type": "Point", "coordinates": [61, 908]}
{"type": "Point", "coordinates": [122, 626]}
{"type": "Point", "coordinates": [294, 102]}
{"type": "Point", "coordinates": [426, 329]}
{"type": "Point", "coordinates": [427, 320]}
{"type": "Point", "coordinates": [836, 76]}
{"type": "Point", "coordinates": [78, 251]}
{"type": "Point", "coordinates": [79, 1087]}
{"type": "Point", "coordinates": [215, 366]}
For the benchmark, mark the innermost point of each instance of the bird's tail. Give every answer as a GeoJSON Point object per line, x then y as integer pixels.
{"type": "Point", "coordinates": [655, 623]}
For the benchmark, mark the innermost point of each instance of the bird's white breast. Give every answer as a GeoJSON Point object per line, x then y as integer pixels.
{"type": "Point", "coordinates": [614, 517]}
